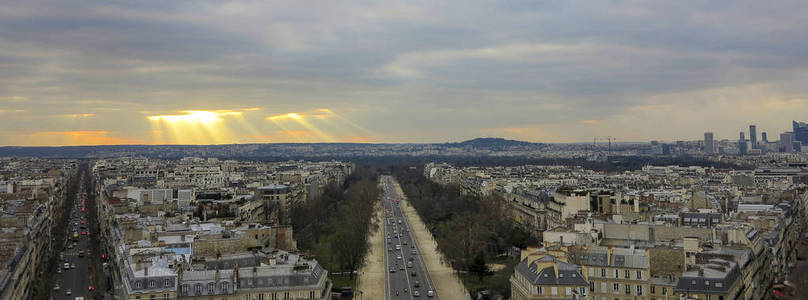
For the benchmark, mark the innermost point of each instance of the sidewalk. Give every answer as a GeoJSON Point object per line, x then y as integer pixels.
{"type": "Point", "coordinates": [372, 274]}
{"type": "Point", "coordinates": [447, 284]}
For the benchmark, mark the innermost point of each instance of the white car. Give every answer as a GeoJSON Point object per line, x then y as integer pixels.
{"type": "Point", "coordinates": [67, 266]}
{"type": "Point", "coordinates": [430, 294]}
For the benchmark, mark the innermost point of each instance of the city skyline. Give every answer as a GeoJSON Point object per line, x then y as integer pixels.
{"type": "Point", "coordinates": [218, 73]}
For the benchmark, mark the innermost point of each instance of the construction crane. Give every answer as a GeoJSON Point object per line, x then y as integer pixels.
{"type": "Point", "coordinates": [605, 138]}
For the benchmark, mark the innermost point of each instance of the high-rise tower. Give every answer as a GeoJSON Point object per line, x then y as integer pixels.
{"type": "Point", "coordinates": [753, 136]}
{"type": "Point", "coordinates": [709, 145]}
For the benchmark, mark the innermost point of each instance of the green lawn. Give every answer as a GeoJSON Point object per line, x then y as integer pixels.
{"type": "Point", "coordinates": [340, 281]}
{"type": "Point", "coordinates": [497, 281]}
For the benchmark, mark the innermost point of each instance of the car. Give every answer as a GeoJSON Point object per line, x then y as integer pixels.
{"type": "Point", "coordinates": [398, 257]}
{"type": "Point", "coordinates": [73, 266]}
{"type": "Point", "coordinates": [412, 274]}
{"type": "Point", "coordinates": [67, 266]}
{"type": "Point", "coordinates": [430, 293]}
{"type": "Point", "coordinates": [392, 270]}
{"type": "Point", "coordinates": [83, 233]}
{"type": "Point", "coordinates": [398, 247]}
{"type": "Point", "coordinates": [416, 294]}
{"type": "Point", "coordinates": [389, 249]}
{"type": "Point", "coordinates": [68, 292]}
{"type": "Point", "coordinates": [404, 242]}
{"type": "Point", "coordinates": [401, 267]}
{"type": "Point", "coordinates": [417, 283]}
{"type": "Point", "coordinates": [56, 287]}
{"type": "Point", "coordinates": [82, 222]}
{"type": "Point", "coordinates": [91, 288]}
{"type": "Point", "coordinates": [412, 246]}
{"type": "Point", "coordinates": [413, 252]}
{"type": "Point", "coordinates": [59, 270]}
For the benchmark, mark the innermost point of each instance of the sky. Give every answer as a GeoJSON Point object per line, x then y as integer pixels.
{"type": "Point", "coordinates": [218, 72]}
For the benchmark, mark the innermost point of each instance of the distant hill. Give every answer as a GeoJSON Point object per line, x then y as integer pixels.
{"type": "Point", "coordinates": [475, 147]}
{"type": "Point", "coordinates": [495, 143]}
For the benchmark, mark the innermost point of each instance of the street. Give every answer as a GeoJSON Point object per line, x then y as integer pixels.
{"type": "Point", "coordinates": [406, 272]}
{"type": "Point", "coordinates": [77, 255]}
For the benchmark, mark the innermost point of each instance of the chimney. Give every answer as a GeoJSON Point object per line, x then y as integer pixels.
{"type": "Point", "coordinates": [146, 271]}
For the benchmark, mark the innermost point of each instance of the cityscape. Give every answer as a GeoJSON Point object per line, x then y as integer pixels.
{"type": "Point", "coordinates": [391, 150]}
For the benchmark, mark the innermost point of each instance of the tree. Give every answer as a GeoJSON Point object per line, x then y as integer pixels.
{"type": "Point", "coordinates": [479, 267]}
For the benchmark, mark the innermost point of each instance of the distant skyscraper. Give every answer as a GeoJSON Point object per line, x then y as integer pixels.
{"type": "Point", "coordinates": [742, 144]}
{"type": "Point", "coordinates": [753, 136]}
{"type": "Point", "coordinates": [709, 144]}
{"type": "Point", "coordinates": [763, 137]}
{"type": "Point", "coordinates": [786, 144]}
{"type": "Point", "coordinates": [800, 132]}
{"type": "Point", "coordinates": [666, 149]}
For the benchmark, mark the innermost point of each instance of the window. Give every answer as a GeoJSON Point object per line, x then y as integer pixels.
{"type": "Point", "coordinates": [707, 282]}
{"type": "Point", "coordinates": [628, 289]}
{"type": "Point", "coordinates": [603, 287]}
{"type": "Point", "coordinates": [165, 296]}
{"type": "Point", "coordinates": [719, 284]}
{"type": "Point", "coordinates": [569, 291]}
{"type": "Point", "coordinates": [138, 284]}
{"type": "Point", "coordinates": [151, 283]}
{"type": "Point", "coordinates": [582, 291]}
{"type": "Point", "coordinates": [616, 287]}
{"type": "Point", "coordinates": [639, 274]}
{"type": "Point", "coordinates": [554, 291]}
{"type": "Point", "coordinates": [664, 291]}
{"type": "Point", "coordinates": [639, 290]}
{"type": "Point", "coordinates": [186, 289]}
{"type": "Point", "coordinates": [541, 290]}
{"type": "Point", "coordinates": [560, 275]}
{"type": "Point", "coordinates": [602, 272]}
{"type": "Point", "coordinates": [311, 295]}
{"type": "Point", "coordinates": [616, 273]}
{"type": "Point", "coordinates": [653, 290]}
{"type": "Point", "coordinates": [592, 286]}
{"type": "Point", "coordinates": [709, 297]}
{"type": "Point", "coordinates": [225, 286]}
{"type": "Point", "coordinates": [286, 295]}
{"type": "Point", "coordinates": [261, 296]}
{"type": "Point", "coordinates": [591, 272]}
{"type": "Point", "coordinates": [628, 274]}
{"type": "Point", "coordinates": [198, 288]}
{"type": "Point", "coordinates": [211, 287]}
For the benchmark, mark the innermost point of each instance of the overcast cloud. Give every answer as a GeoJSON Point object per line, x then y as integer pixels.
{"type": "Point", "coordinates": [92, 72]}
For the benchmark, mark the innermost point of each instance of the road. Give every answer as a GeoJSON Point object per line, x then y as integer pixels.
{"type": "Point", "coordinates": [405, 266]}
{"type": "Point", "coordinates": [77, 278]}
